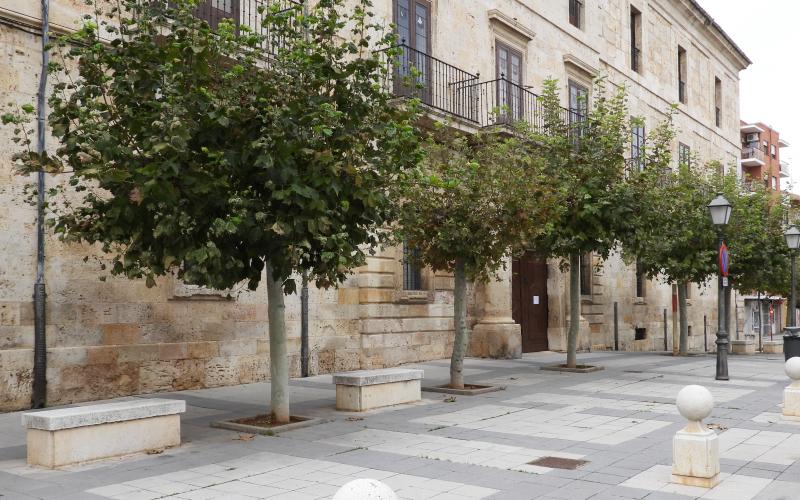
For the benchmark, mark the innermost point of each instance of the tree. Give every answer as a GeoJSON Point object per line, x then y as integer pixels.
{"type": "Point", "coordinates": [585, 157]}
{"type": "Point", "coordinates": [674, 238]}
{"type": "Point", "coordinates": [473, 200]}
{"type": "Point", "coordinates": [221, 153]}
{"type": "Point", "coordinates": [760, 260]}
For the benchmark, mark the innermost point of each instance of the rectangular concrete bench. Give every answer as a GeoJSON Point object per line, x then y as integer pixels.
{"type": "Point", "coordinates": [84, 433]}
{"type": "Point", "coordinates": [367, 389]}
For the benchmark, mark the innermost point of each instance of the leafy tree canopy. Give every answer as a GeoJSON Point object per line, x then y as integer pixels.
{"type": "Point", "coordinates": [212, 150]}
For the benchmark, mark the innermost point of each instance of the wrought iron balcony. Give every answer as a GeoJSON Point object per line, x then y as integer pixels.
{"type": "Point", "coordinates": [636, 55]}
{"type": "Point", "coordinates": [682, 91]}
{"type": "Point", "coordinates": [753, 157]}
{"type": "Point", "coordinates": [502, 102]}
{"type": "Point", "coordinates": [435, 83]}
{"type": "Point", "coordinates": [249, 13]}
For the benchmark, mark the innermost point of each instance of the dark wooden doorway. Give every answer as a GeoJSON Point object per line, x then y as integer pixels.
{"type": "Point", "coordinates": [529, 301]}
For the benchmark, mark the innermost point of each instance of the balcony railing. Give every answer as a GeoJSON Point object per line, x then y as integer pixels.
{"type": "Point", "coordinates": [249, 13]}
{"type": "Point", "coordinates": [753, 154]}
{"type": "Point", "coordinates": [502, 102]}
{"type": "Point", "coordinates": [435, 83]}
{"type": "Point", "coordinates": [682, 91]}
{"type": "Point", "coordinates": [718, 116]}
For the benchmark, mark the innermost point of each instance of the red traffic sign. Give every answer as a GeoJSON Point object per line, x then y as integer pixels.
{"type": "Point", "coordinates": [724, 261]}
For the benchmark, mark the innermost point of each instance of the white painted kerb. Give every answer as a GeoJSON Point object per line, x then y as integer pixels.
{"type": "Point", "coordinates": [377, 377]}
{"type": "Point", "coordinates": [82, 416]}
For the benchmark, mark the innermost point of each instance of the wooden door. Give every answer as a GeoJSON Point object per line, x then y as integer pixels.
{"type": "Point", "coordinates": [529, 301]}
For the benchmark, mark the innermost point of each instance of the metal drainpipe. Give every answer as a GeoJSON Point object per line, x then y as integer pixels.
{"type": "Point", "coordinates": [39, 397]}
{"type": "Point", "coordinates": [304, 327]}
{"type": "Point", "coordinates": [304, 291]}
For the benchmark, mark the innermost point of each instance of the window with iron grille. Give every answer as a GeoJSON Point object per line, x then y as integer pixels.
{"type": "Point", "coordinates": [412, 271]}
{"type": "Point", "coordinates": [214, 11]}
{"type": "Point", "coordinates": [636, 39]}
{"type": "Point", "coordinates": [637, 147]}
{"type": "Point", "coordinates": [586, 270]}
{"type": "Point", "coordinates": [682, 90]}
{"type": "Point", "coordinates": [684, 155]}
{"type": "Point", "coordinates": [718, 101]}
{"type": "Point", "coordinates": [576, 13]}
{"type": "Point", "coordinates": [641, 280]}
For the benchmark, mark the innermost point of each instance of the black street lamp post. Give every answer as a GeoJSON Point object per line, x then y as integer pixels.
{"type": "Point", "coordinates": [720, 211]}
{"type": "Point", "coordinates": [792, 236]}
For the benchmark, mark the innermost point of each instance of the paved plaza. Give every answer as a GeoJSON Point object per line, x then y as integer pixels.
{"type": "Point", "coordinates": [620, 421]}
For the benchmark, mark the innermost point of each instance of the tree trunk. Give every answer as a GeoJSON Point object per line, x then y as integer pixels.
{"type": "Point", "coordinates": [684, 319]}
{"type": "Point", "coordinates": [462, 334]}
{"type": "Point", "coordinates": [278, 357]}
{"type": "Point", "coordinates": [574, 309]}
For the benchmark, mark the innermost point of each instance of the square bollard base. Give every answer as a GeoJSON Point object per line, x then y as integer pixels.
{"type": "Point", "coordinates": [703, 482]}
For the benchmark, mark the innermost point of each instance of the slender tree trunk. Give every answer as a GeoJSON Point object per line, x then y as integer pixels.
{"type": "Point", "coordinates": [278, 356]}
{"type": "Point", "coordinates": [462, 334]}
{"type": "Point", "coordinates": [574, 309]}
{"type": "Point", "coordinates": [684, 319]}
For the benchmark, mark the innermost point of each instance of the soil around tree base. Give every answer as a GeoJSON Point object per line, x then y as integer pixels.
{"type": "Point", "coordinates": [468, 390]}
{"type": "Point", "coordinates": [578, 368]}
{"type": "Point", "coordinates": [262, 424]}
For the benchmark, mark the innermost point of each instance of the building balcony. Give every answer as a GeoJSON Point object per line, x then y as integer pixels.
{"type": "Point", "coordinates": [501, 102]}
{"type": "Point", "coordinates": [249, 13]}
{"type": "Point", "coordinates": [784, 169]}
{"type": "Point", "coordinates": [437, 84]}
{"type": "Point", "coordinates": [753, 157]}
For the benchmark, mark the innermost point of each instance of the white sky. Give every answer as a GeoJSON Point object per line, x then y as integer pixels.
{"type": "Point", "coordinates": [768, 31]}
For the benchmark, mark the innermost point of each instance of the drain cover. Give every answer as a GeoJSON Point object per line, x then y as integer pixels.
{"type": "Point", "coordinates": [558, 463]}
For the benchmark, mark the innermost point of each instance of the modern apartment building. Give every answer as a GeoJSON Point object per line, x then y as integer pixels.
{"type": "Point", "coordinates": [761, 156]}
{"type": "Point", "coordinates": [117, 337]}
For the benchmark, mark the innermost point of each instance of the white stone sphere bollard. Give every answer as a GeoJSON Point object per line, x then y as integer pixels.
{"type": "Point", "coordinates": [365, 489]}
{"type": "Point", "coordinates": [792, 369]}
{"type": "Point", "coordinates": [791, 395]}
{"type": "Point", "coordinates": [695, 449]}
{"type": "Point", "coordinates": [695, 403]}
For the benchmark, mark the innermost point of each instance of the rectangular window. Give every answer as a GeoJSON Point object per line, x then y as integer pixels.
{"type": "Point", "coordinates": [641, 280]}
{"type": "Point", "coordinates": [718, 101]}
{"type": "Point", "coordinates": [773, 150]}
{"type": "Point", "coordinates": [682, 90]}
{"type": "Point", "coordinates": [774, 183]}
{"type": "Point", "coordinates": [636, 39]}
{"type": "Point", "coordinates": [412, 270]}
{"type": "Point", "coordinates": [684, 155]}
{"type": "Point", "coordinates": [637, 147]}
{"type": "Point", "coordinates": [576, 13]}
{"type": "Point", "coordinates": [586, 274]}
{"type": "Point", "coordinates": [412, 22]}
{"type": "Point", "coordinates": [214, 11]}
{"type": "Point", "coordinates": [578, 108]}
{"type": "Point", "coordinates": [509, 87]}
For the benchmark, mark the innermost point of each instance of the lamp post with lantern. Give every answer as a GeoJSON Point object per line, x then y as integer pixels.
{"type": "Point", "coordinates": [720, 211]}
{"type": "Point", "coordinates": [792, 236]}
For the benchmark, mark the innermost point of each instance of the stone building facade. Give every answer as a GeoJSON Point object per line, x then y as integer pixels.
{"type": "Point", "coordinates": [118, 337]}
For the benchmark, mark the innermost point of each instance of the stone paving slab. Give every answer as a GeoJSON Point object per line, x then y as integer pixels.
{"type": "Point", "coordinates": [620, 420]}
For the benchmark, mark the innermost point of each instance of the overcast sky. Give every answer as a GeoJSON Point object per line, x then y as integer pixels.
{"type": "Point", "coordinates": [769, 33]}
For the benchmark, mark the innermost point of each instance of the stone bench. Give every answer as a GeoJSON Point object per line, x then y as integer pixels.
{"type": "Point", "coordinates": [367, 389]}
{"type": "Point", "coordinates": [84, 433]}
